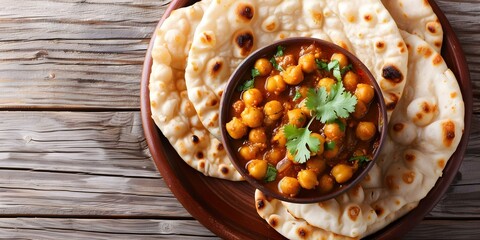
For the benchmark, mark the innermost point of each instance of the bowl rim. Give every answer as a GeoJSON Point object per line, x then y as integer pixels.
{"type": "Point", "coordinates": [238, 76]}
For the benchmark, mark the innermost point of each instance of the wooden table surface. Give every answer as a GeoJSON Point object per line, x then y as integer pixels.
{"type": "Point", "coordinates": [74, 162]}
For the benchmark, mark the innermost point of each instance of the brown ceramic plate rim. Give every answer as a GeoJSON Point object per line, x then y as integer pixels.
{"type": "Point", "coordinates": [237, 77]}
{"type": "Point", "coordinates": [226, 228]}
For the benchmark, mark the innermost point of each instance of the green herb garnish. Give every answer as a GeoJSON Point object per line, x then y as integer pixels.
{"type": "Point", "coordinates": [330, 145]}
{"type": "Point", "coordinates": [297, 96]}
{"type": "Point", "coordinates": [249, 83]}
{"type": "Point", "coordinates": [321, 64]}
{"type": "Point", "coordinates": [275, 64]}
{"type": "Point", "coordinates": [346, 69]}
{"type": "Point", "coordinates": [297, 141]}
{"type": "Point", "coordinates": [335, 66]}
{"type": "Point", "coordinates": [327, 107]}
{"type": "Point", "coordinates": [271, 174]}
{"type": "Point", "coordinates": [280, 51]}
{"type": "Point", "coordinates": [360, 159]}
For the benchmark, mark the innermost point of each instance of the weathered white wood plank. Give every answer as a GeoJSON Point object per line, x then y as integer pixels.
{"type": "Point", "coordinates": [55, 228]}
{"type": "Point", "coordinates": [108, 143]}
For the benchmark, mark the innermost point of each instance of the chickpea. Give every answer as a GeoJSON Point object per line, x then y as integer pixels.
{"type": "Point", "coordinates": [289, 186]}
{"type": "Point", "coordinates": [307, 62]}
{"type": "Point", "coordinates": [326, 83]}
{"type": "Point", "coordinates": [296, 117]}
{"type": "Point", "coordinates": [236, 128]}
{"type": "Point", "coordinates": [257, 135]}
{"type": "Point", "coordinates": [317, 165]}
{"type": "Point", "coordinates": [306, 111]}
{"type": "Point", "coordinates": [293, 75]}
{"type": "Point", "coordinates": [275, 155]}
{"type": "Point", "coordinates": [303, 91]}
{"type": "Point", "coordinates": [275, 84]}
{"type": "Point", "coordinates": [322, 142]}
{"type": "Point", "coordinates": [290, 156]}
{"type": "Point", "coordinates": [360, 110]}
{"type": "Point", "coordinates": [341, 58]}
{"type": "Point", "coordinates": [238, 106]}
{"type": "Point", "coordinates": [365, 130]}
{"type": "Point", "coordinates": [280, 138]}
{"type": "Point", "coordinates": [342, 173]}
{"type": "Point", "coordinates": [248, 152]}
{"type": "Point", "coordinates": [332, 131]}
{"type": "Point", "coordinates": [333, 152]}
{"type": "Point", "coordinates": [273, 110]}
{"type": "Point", "coordinates": [252, 117]}
{"type": "Point", "coordinates": [326, 183]}
{"type": "Point", "coordinates": [252, 97]}
{"type": "Point", "coordinates": [257, 168]}
{"type": "Point", "coordinates": [307, 179]}
{"type": "Point", "coordinates": [263, 66]}
{"type": "Point", "coordinates": [350, 81]}
{"type": "Point", "coordinates": [364, 92]}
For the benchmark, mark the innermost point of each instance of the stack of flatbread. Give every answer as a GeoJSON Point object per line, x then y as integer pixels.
{"type": "Point", "coordinates": [199, 46]}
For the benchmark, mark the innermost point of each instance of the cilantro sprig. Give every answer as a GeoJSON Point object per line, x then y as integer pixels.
{"type": "Point", "coordinates": [279, 53]}
{"type": "Point", "coordinates": [271, 174]}
{"type": "Point", "coordinates": [297, 141]}
{"type": "Point", "coordinates": [361, 159]}
{"type": "Point", "coordinates": [249, 83]}
{"type": "Point", "coordinates": [297, 96]}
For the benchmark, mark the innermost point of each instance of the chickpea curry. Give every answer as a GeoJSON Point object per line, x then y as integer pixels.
{"type": "Point", "coordinates": [304, 121]}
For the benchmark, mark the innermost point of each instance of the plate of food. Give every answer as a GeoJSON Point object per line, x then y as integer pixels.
{"type": "Point", "coordinates": [409, 48]}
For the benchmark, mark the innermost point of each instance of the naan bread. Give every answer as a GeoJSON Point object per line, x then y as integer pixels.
{"type": "Point", "coordinates": [417, 17]}
{"type": "Point", "coordinates": [171, 110]}
{"type": "Point", "coordinates": [232, 29]}
{"type": "Point", "coordinates": [424, 131]}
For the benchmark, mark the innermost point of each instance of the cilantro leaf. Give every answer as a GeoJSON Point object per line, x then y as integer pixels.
{"type": "Point", "coordinates": [335, 66]}
{"type": "Point", "coordinates": [271, 174]}
{"type": "Point", "coordinates": [297, 141]}
{"type": "Point", "coordinates": [249, 83]}
{"type": "Point", "coordinates": [275, 64]}
{"type": "Point", "coordinates": [346, 69]}
{"type": "Point", "coordinates": [321, 64]}
{"type": "Point", "coordinates": [330, 145]}
{"type": "Point", "coordinates": [280, 51]}
{"type": "Point", "coordinates": [246, 85]}
{"type": "Point", "coordinates": [360, 159]}
{"type": "Point", "coordinates": [297, 96]}
{"type": "Point", "coordinates": [329, 106]}
{"type": "Point", "coordinates": [255, 73]}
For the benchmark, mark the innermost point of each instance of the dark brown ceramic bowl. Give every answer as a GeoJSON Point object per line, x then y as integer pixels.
{"type": "Point", "coordinates": [207, 199]}
{"type": "Point", "coordinates": [242, 73]}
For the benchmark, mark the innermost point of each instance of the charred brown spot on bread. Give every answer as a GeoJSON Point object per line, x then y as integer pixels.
{"type": "Point", "coordinates": [195, 139]}
{"type": "Point", "coordinates": [408, 46]}
{"type": "Point", "coordinates": [437, 59]}
{"type": "Point", "coordinates": [432, 27]}
{"type": "Point", "coordinates": [199, 155]}
{"type": "Point", "coordinates": [220, 147]}
{"type": "Point", "coordinates": [379, 210]}
{"type": "Point", "coordinates": [393, 102]}
{"type": "Point", "coordinates": [424, 51]}
{"type": "Point", "coordinates": [426, 3]}
{"type": "Point", "coordinates": [392, 74]}
{"type": "Point", "coordinates": [453, 94]}
{"type": "Point", "coordinates": [245, 12]}
{"type": "Point", "coordinates": [441, 163]}
{"type": "Point", "coordinates": [400, 44]}
{"type": "Point", "coordinates": [397, 127]}
{"type": "Point", "coordinates": [426, 107]}
{"type": "Point", "coordinates": [216, 68]}
{"type": "Point", "coordinates": [419, 116]}
{"type": "Point", "coordinates": [271, 26]}
{"type": "Point", "coordinates": [437, 44]}
{"type": "Point", "coordinates": [273, 221]}
{"type": "Point", "coordinates": [351, 19]}
{"type": "Point", "coordinates": [448, 133]}
{"type": "Point", "coordinates": [397, 202]}
{"type": "Point", "coordinates": [356, 190]}
{"type": "Point", "coordinates": [342, 44]}
{"type": "Point", "coordinates": [220, 93]}
{"type": "Point", "coordinates": [317, 16]}
{"type": "Point", "coordinates": [212, 102]}
{"type": "Point", "coordinates": [391, 182]}
{"type": "Point", "coordinates": [367, 178]}
{"type": "Point", "coordinates": [410, 157]}
{"type": "Point", "coordinates": [201, 165]}
{"type": "Point", "coordinates": [244, 41]}
{"type": "Point", "coordinates": [353, 212]}
{"type": "Point", "coordinates": [380, 45]}
{"type": "Point", "coordinates": [207, 38]}
{"type": "Point", "coordinates": [302, 233]}
{"type": "Point", "coordinates": [260, 204]}
{"type": "Point", "coordinates": [408, 177]}
{"type": "Point", "coordinates": [224, 170]}
{"type": "Point", "coordinates": [368, 17]}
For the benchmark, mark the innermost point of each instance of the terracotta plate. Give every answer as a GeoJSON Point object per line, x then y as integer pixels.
{"type": "Point", "coordinates": [227, 208]}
